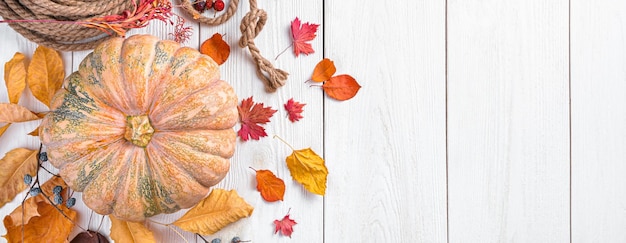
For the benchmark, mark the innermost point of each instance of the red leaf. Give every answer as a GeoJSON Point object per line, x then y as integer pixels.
{"type": "Point", "coordinates": [285, 226]}
{"type": "Point", "coordinates": [271, 187]}
{"type": "Point", "coordinates": [341, 87]}
{"type": "Point", "coordinates": [250, 116]}
{"type": "Point", "coordinates": [294, 109]}
{"type": "Point", "coordinates": [301, 34]}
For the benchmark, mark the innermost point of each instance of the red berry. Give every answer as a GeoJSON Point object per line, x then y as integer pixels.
{"type": "Point", "coordinates": [200, 5]}
{"type": "Point", "coordinates": [218, 5]}
{"type": "Point", "coordinates": [209, 4]}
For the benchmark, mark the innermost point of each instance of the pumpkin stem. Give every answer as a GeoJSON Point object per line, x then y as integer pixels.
{"type": "Point", "coordinates": [138, 130]}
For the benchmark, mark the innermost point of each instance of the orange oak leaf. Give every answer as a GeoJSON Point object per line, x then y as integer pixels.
{"type": "Point", "coordinates": [15, 165]}
{"type": "Point", "coordinates": [307, 168]}
{"type": "Point", "coordinates": [132, 232]}
{"type": "Point", "coordinates": [323, 70]}
{"type": "Point", "coordinates": [294, 109]}
{"type": "Point", "coordinates": [51, 225]}
{"type": "Point", "coordinates": [250, 116]}
{"type": "Point", "coordinates": [216, 48]}
{"type": "Point", "coordinates": [285, 226]}
{"type": "Point", "coordinates": [15, 76]}
{"type": "Point", "coordinates": [341, 87]}
{"type": "Point", "coordinates": [214, 212]}
{"type": "Point", "coordinates": [45, 74]}
{"type": "Point", "coordinates": [301, 34]}
{"type": "Point", "coordinates": [271, 187]}
{"type": "Point", "coordinates": [30, 210]}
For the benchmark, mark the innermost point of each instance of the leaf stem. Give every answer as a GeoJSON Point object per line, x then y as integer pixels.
{"type": "Point", "coordinates": [206, 241]}
{"type": "Point", "coordinates": [178, 233]}
{"type": "Point", "coordinates": [285, 142]}
{"type": "Point", "coordinates": [252, 168]}
{"type": "Point", "coordinates": [283, 51]}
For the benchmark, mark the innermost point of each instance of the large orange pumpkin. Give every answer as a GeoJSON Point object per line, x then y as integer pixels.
{"type": "Point", "coordinates": [143, 127]}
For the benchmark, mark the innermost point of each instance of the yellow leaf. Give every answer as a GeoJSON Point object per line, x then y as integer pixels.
{"type": "Point", "coordinates": [15, 164]}
{"type": "Point", "coordinates": [213, 213]}
{"type": "Point", "coordinates": [15, 76]}
{"type": "Point", "coordinates": [12, 113]}
{"type": "Point", "coordinates": [34, 133]}
{"type": "Point", "coordinates": [308, 168]}
{"type": "Point", "coordinates": [4, 128]}
{"type": "Point", "coordinates": [132, 232]}
{"type": "Point", "coordinates": [45, 74]}
{"type": "Point", "coordinates": [50, 226]}
{"type": "Point", "coordinates": [30, 210]}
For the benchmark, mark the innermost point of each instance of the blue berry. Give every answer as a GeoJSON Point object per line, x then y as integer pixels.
{"type": "Point", "coordinates": [216, 240]}
{"type": "Point", "coordinates": [70, 202]}
{"type": "Point", "coordinates": [35, 191]}
{"type": "Point", "coordinates": [28, 179]}
{"type": "Point", "coordinates": [43, 156]}
{"type": "Point", "coordinates": [58, 199]}
{"type": "Point", "coordinates": [235, 240]}
{"type": "Point", "coordinates": [57, 190]}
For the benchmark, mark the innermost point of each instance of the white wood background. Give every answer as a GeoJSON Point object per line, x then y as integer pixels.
{"type": "Point", "coordinates": [478, 121]}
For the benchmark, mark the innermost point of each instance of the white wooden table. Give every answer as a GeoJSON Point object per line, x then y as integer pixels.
{"type": "Point", "coordinates": [478, 121]}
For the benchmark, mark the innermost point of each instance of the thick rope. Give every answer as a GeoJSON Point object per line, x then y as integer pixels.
{"type": "Point", "coordinates": [251, 25]}
{"type": "Point", "coordinates": [61, 36]}
{"type": "Point", "coordinates": [230, 11]}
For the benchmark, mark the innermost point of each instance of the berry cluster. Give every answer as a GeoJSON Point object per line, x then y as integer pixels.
{"type": "Point", "coordinates": [36, 190]}
{"type": "Point", "coordinates": [202, 5]}
{"type": "Point", "coordinates": [235, 239]}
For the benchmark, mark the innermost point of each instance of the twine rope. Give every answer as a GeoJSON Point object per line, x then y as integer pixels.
{"type": "Point", "coordinates": [251, 25]}
{"type": "Point", "coordinates": [61, 36]}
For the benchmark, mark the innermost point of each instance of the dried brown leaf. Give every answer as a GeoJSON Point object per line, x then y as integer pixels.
{"type": "Point", "coordinates": [132, 232]}
{"type": "Point", "coordinates": [12, 113]}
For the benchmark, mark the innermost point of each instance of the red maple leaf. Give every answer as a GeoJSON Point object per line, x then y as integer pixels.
{"type": "Point", "coordinates": [301, 34]}
{"type": "Point", "coordinates": [285, 226]}
{"type": "Point", "coordinates": [294, 109]}
{"type": "Point", "coordinates": [250, 116]}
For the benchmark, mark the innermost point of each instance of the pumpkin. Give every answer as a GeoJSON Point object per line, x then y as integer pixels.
{"type": "Point", "coordinates": [143, 127]}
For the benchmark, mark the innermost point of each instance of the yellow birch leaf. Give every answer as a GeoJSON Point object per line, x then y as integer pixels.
{"type": "Point", "coordinates": [15, 164]}
{"type": "Point", "coordinates": [131, 232]}
{"type": "Point", "coordinates": [50, 226]}
{"type": "Point", "coordinates": [4, 128]}
{"type": "Point", "coordinates": [214, 212]}
{"type": "Point", "coordinates": [45, 74]}
{"type": "Point", "coordinates": [309, 169]}
{"type": "Point", "coordinates": [30, 210]}
{"type": "Point", "coordinates": [15, 76]}
{"type": "Point", "coordinates": [11, 113]}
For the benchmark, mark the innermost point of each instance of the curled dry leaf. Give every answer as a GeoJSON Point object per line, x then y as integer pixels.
{"type": "Point", "coordinates": [11, 113]}
{"type": "Point", "coordinates": [51, 225]}
{"type": "Point", "coordinates": [341, 87]}
{"type": "Point", "coordinates": [45, 74]}
{"type": "Point", "coordinates": [15, 165]}
{"type": "Point", "coordinates": [15, 76]}
{"type": "Point", "coordinates": [132, 232]}
{"type": "Point", "coordinates": [323, 70]}
{"type": "Point", "coordinates": [213, 213]}
{"type": "Point", "coordinates": [216, 48]}
{"type": "Point", "coordinates": [271, 187]}
{"type": "Point", "coordinates": [34, 133]}
{"type": "Point", "coordinates": [4, 128]}
{"type": "Point", "coordinates": [285, 226]}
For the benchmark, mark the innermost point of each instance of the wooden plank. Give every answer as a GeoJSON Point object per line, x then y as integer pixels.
{"type": "Point", "coordinates": [385, 148]}
{"type": "Point", "coordinates": [598, 53]}
{"type": "Point", "coordinates": [269, 153]}
{"type": "Point", "coordinates": [508, 124]}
